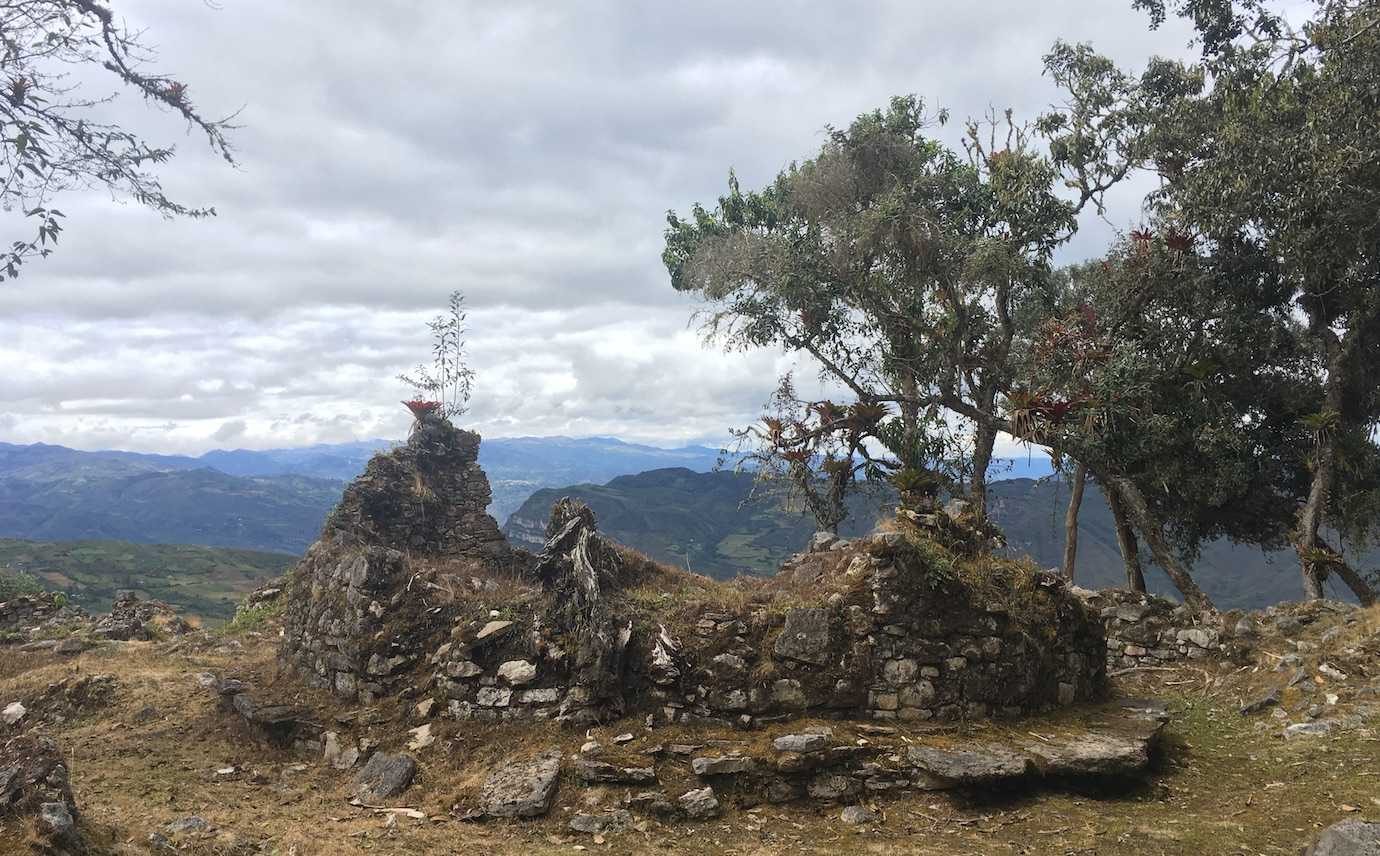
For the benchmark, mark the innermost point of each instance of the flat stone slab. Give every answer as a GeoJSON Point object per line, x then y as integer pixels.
{"type": "Point", "coordinates": [492, 630]}
{"type": "Point", "coordinates": [805, 637]}
{"type": "Point", "coordinates": [801, 742]}
{"type": "Point", "coordinates": [974, 765]}
{"type": "Point", "coordinates": [522, 789]}
{"type": "Point", "coordinates": [722, 765]}
{"type": "Point", "coordinates": [593, 771]}
{"type": "Point", "coordinates": [1091, 754]}
{"type": "Point", "coordinates": [1118, 741]}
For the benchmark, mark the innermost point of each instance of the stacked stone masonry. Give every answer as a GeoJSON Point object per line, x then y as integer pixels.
{"type": "Point", "coordinates": [1147, 630]}
{"type": "Point", "coordinates": [883, 632]}
{"type": "Point", "coordinates": [890, 649]}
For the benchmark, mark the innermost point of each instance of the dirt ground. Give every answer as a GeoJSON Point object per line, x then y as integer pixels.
{"type": "Point", "coordinates": [1225, 784]}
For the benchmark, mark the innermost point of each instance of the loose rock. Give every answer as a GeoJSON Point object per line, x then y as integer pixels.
{"type": "Point", "coordinates": [385, 776]}
{"type": "Point", "coordinates": [699, 804]}
{"type": "Point", "coordinates": [1347, 838]}
{"type": "Point", "coordinates": [722, 765]}
{"type": "Point", "coordinates": [857, 815]}
{"type": "Point", "coordinates": [523, 789]}
{"type": "Point", "coordinates": [1270, 699]}
{"type": "Point", "coordinates": [591, 771]}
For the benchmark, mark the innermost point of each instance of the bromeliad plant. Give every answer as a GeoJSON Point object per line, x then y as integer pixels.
{"type": "Point", "coordinates": [823, 450]}
{"type": "Point", "coordinates": [422, 409]}
{"type": "Point", "coordinates": [443, 388]}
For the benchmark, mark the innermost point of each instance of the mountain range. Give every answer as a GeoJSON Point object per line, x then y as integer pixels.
{"type": "Point", "coordinates": [671, 503]}
{"type": "Point", "coordinates": [276, 499]}
{"type": "Point", "coordinates": [273, 500]}
{"type": "Point", "coordinates": [712, 523]}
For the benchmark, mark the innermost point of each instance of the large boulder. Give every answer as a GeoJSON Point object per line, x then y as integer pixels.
{"type": "Point", "coordinates": [384, 776]}
{"type": "Point", "coordinates": [522, 788]}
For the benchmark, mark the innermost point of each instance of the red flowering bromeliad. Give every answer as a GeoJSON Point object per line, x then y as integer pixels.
{"type": "Point", "coordinates": [422, 409]}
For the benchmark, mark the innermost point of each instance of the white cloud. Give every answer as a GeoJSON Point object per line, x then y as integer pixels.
{"type": "Point", "coordinates": [525, 152]}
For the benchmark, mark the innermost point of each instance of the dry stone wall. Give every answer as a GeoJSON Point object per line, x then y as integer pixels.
{"type": "Point", "coordinates": [894, 640]}
{"type": "Point", "coordinates": [1147, 630]}
{"type": "Point", "coordinates": [21, 615]}
{"type": "Point", "coordinates": [888, 643]}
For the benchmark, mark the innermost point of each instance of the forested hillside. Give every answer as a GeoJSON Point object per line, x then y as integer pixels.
{"type": "Point", "coordinates": [710, 523]}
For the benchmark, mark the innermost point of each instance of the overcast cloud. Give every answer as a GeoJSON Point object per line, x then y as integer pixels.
{"type": "Point", "coordinates": [525, 153]}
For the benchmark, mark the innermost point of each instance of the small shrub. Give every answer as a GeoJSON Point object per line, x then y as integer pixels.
{"type": "Point", "coordinates": [17, 583]}
{"type": "Point", "coordinates": [252, 618]}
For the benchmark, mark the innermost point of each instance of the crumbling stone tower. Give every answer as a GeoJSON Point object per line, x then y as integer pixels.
{"type": "Point", "coordinates": [346, 625]}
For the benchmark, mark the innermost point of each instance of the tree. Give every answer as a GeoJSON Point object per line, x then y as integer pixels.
{"type": "Point", "coordinates": [899, 266]}
{"type": "Point", "coordinates": [449, 378]}
{"type": "Point", "coordinates": [1179, 394]}
{"type": "Point", "coordinates": [821, 449]}
{"type": "Point", "coordinates": [1268, 149]}
{"type": "Point", "coordinates": [54, 136]}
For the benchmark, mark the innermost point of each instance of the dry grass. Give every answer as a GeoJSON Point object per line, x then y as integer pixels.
{"type": "Point", "coordinates": [455, 580]}
{"type": "Point", "coordinates": [1226, 786]}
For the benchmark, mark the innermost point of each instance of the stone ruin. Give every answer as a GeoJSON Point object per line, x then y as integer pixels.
{"type": "Point", "coordinates": [47, 621]}
{"type": "Point", "coordinates": [354, 619]}
{"type": "Point", "coordinates": [394, 600]}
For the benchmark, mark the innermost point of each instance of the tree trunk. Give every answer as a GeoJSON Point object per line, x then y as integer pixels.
{"type": "Point", "coordinates": [1358, 585]}
{"type": "Point", "coordinates": [984, 438]}
{"type": "Point", "coordinates": [1127, 541]}
{"type": "Point", "coordinates": [1139, 512]}
{"type": "Point", "coordinates": [910, 416]}
{"type": "Point", "coordinates": [1080, 479]}
{"type": "Point", "coordinates": [1310, 516]}
{"type": "Point", "coordinates": [1364, 593]}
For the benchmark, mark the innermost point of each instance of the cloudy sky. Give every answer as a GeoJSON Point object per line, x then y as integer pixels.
{"type": "Point", "coordinates": [525, 153]}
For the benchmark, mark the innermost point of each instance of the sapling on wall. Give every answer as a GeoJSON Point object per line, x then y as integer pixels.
{"type": "Point", "coordinates": [443, 388]}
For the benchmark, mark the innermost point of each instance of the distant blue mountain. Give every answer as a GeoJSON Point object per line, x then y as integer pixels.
{"type": "Point", "coordinates": [338, 461]}
{"type": "Point", "coordinates": [270, 499]}
{"type": "Point", "coordinates": [275, 499]}
{"type": "Point", "coordinates": [1030, 466]}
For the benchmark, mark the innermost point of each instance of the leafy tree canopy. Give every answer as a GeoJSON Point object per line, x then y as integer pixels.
{"type": "Point", "coordinates": [1268, 155]}
{"type": "Point", "coordinates": [898, 264]}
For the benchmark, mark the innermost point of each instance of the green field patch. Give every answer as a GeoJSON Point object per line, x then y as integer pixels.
{"type": "Point", "coordinates": [201, 581]}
